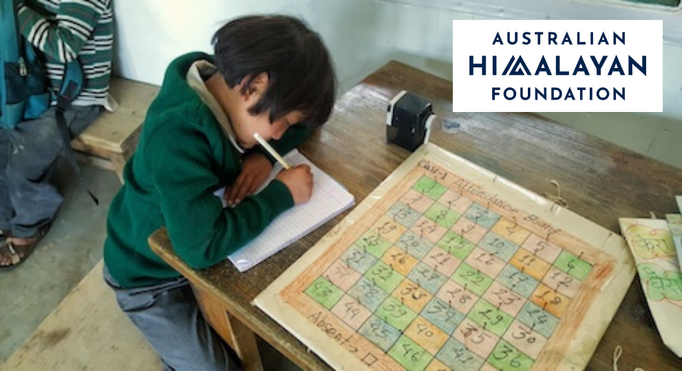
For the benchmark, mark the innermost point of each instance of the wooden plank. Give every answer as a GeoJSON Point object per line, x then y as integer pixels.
{"type": "Point", "coordinates": [95, 160]}
{"type": "Point", "coordinates": [87, 331]}
{"type": "Point", "coordinates": [118, 131]}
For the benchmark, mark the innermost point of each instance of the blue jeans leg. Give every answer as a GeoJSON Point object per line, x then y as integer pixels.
{"type": "Point", "coordinates": [6, 209]}
{"type": "Point", "coordinates": [169, 317]}
{"type": "Point", "coordinates": [28, 155]}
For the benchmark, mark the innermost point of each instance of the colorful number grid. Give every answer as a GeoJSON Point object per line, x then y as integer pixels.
{"type": "Point", "coordinates": [440, 281]}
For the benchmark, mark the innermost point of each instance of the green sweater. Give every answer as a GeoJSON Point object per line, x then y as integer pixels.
{"type": "Point", "coordinates": [183, 156]}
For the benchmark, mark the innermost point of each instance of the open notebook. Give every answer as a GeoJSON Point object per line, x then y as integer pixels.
{"type": "Point", "coordinates": [328, 200]}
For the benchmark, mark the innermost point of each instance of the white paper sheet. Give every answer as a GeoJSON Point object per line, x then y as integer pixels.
{"type": "Point", "coordinates": [328, 200]}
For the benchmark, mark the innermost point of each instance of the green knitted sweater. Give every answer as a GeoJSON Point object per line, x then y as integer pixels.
{"type": "Point", "coordinates": [182, 157]}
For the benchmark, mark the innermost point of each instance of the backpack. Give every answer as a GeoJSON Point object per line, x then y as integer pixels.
{"type": "Point", "coordinates": [25, 92]}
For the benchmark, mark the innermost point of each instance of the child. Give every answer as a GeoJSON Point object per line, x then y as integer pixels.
{"type": "Point", "coordinates": [61, 31]}
{"type": "Point", "coordinates": [270, 75]}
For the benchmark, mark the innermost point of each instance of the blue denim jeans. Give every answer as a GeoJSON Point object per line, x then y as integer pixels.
{"type": "Point", "coordinates": [169, 317]}
{"type": "Point", "coordinates": [28, 155]}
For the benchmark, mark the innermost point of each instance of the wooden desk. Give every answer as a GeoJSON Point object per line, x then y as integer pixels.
{"type": "Point", "coordinates": [599, 180]}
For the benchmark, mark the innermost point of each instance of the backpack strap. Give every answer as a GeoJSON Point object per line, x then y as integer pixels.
{"type": "Point", "coordinates": [72, 85]}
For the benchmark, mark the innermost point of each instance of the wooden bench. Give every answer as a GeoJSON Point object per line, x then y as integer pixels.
{"type": "Point", "coordinates": [87, 331]}
{"type": "Point", "coordinates": [112, 138]}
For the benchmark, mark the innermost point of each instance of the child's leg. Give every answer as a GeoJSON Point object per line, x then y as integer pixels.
{"type": "Point", "coordinates": [169, 317]}
{"type": "Point", "coordinates": [6, 209]}
{"type": "Point", "coordinates": [33, 149]}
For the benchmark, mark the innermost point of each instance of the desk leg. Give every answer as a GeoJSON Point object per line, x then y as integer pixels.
{"type": "Point", "coordinates": [236, 335]}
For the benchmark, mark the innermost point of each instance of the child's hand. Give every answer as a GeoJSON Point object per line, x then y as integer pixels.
{"type": "Point", "coordinates": [299, 180]}
{"type": "Point", "coordinates": [255, 169]}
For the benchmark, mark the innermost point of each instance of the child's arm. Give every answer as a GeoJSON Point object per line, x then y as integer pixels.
{"type": "Point", "coordinates": [256, 167]}
{"type": "Point", "coordinates": [201, 231]}
{"type": "Point", "coordinates": [63, 37]}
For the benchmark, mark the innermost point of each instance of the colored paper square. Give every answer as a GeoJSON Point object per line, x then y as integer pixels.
{"type": "Point", "coordinates": [456, 245]}
{"type": "Point", "coordinates": [507, 300]}
{"type": "Point", "coordinates": [373, 243]}
{"type": "Point", "coordinates": [507, 357]}
{"type": "Point", "coordinates": [488, 367]}
{"type": "Point", "coordinates": [441, 215]}
{"type": "Point", "coordinates": [486, 262]}
{"type": "Point", "coordinates": [490, 317]}
{"type": "Point", "coordinates": [510, 231]}
{"type": "Point", "coordinates": [456, 356]}
{"type": "Point", "coordinates": [455, 201]}
{"type": "Point", "coordinates": [414, 245]}
{"type": "Point", "coordinates": [475, 338]}
{"type": "Point", "coordinates": [399, 260]}
{"type": "Point", "coordinates": [537, 319]}
{"type": "Point", "coordinates": [342, 275]}
{"type": "Point", "coordinates": [428, 230]}
{"type": "Point", "coordinates": [380, 333]}
{"type": "Point", "coordinates": [403, 214]}
{"type": "Point", "coordinates": [388, 229]}
{"type": "Point", "coordinates": [412, 295]}
{"type": "Point", "coordinates": [562, 282]}
{"type": "Point", "coordinates": [417, 201]}
{"type": "Point", "coordinates": [572, 265]}
{"type": "Point", "coordinates": [524, 339]}
{"type": "Point", "coordinates": [499, 246]}
{"type": "Point", "coordinates": [457, 297]}
{"type": "Point", "coordinates": [368, 294]}
{"type": "Point", "coordinates": [385, 277]}
{"type": "Point", "coordinates": [469, 230]}
{"type": "Point", "coordinates": [443, 315]}
{"type": "Point", "coordinates": [395, 313]}
{"type": "Point", "coordinates": [409, 354]}
{"type": "Point", "coordinates": [481, 216]}
{"type": "Point", "coordinates": [544, 249]}
{"type": "Point", "coordinates": [351, 312]}
{"type": "Point", "coordinates": [358, 259]}
{"type": "Point", "coordinates": [530, 264]}
{"type": "Point", "coordinates": [472, 279]}
{"type": "Point", "coordinates": [517, 281]}
{"type": "Point", "coordinates": [441, 261]}
{"type": "Point", "coordinates": [426, 334]}
{"type": "Point", "coordinates": [436, 365]}
{"type": "Point", "coordinates": [550, 300]}
{"type": "Point", "coordinates": [324, 292]}
{"type": "Point", "coordinates": [427, 277]}
{"type": "Point", "coordinates": [429, 187]}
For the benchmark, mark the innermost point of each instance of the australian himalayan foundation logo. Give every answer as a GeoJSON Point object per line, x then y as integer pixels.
{"type": "Point", "coordinates": [557, 66]}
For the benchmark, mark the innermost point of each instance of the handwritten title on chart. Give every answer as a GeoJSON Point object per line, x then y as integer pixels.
{"type": "Point", "coordinates": [557, 66]}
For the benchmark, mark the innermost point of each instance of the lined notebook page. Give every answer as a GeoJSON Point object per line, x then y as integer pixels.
{"type": "Point", "coordinates": [328, 200]}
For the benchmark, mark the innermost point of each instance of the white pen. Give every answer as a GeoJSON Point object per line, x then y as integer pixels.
{"type": "Point", "coordinates": [272, 151]}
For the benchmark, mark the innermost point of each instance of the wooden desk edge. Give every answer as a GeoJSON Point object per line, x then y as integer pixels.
{"type": "Point", "coordinates": [160, 245]}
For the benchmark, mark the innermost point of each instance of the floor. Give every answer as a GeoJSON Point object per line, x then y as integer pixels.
{"type": "Point", "coordinates": [67, 253]}
{"type": "Point", "coordinates": [74, 245]}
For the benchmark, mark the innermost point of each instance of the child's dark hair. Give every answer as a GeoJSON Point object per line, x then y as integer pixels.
{"type": "Point", "coordinates": [300, 71]}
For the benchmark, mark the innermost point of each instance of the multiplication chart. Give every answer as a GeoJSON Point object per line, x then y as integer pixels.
{"type": "Point", "coordinates": [444, 273]}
